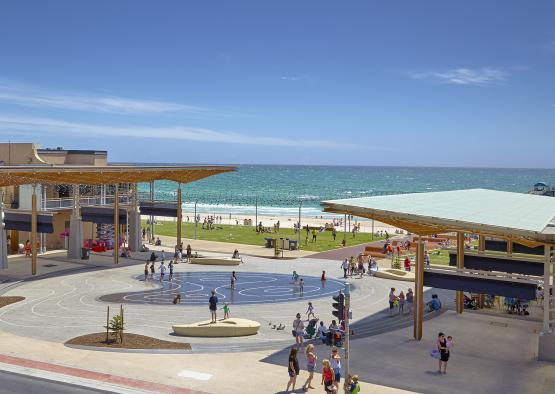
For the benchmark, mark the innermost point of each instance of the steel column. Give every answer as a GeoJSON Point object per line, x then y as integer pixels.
{"type": "Point", "coordinates": [548, 297]}
{"type": "Point", "coordinates": [179, 216]}
{"type": "Point", "coordinates": [419, 291]}
{"type": "Point", "coordinates": [34, 231]}
{"type": "Point", "coordinates": [116, 225]}
{"type": "Point", "coordinates": [460, 265]}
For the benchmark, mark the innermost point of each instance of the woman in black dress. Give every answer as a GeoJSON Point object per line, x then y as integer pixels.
{"type": "Point", "coordinates": [444, 352]}
{"type": "Point", "coordinates": [293, 369]}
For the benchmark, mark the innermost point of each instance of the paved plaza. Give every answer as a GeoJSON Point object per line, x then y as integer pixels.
{"type": "Point", "coordinates": [60, 307]}
{"type": "Point", "coordinates": [71, 297]}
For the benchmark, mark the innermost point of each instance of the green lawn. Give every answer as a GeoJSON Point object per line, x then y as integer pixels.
{"type": "Point", "coordinates": [247, 235]}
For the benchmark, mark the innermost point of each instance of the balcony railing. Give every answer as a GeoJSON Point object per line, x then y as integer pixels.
{"type": "Point", "coordinates": [67, 203]}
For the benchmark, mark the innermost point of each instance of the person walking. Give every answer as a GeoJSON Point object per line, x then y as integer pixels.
{"type": "Point", "coordinates": [335, 363]}
{"type": "Point", "coordinates": [292, 369]}
{"type": "Point", "coordinates": [328, 377]}
{"type": "Point", "coordinates": [213, 306]}
{"type": "Point", "coordinates": [409, 299]}
{"type": "Point", "coordinates": [443, 351]}
{"type": "Point", "coordinates": [314, 234]}
{"type": "Point", "coordinates": [298, 330]}
{"type": "Point", "coordinates": [401, 303]}
{"type": "Point", "coordinates": [310, 366]}
{"type": "Point", "coordinates": [162, 271]}
{"type": "Point", "coordinates": [345, 266]}
{"type": "Point", "coordinates": [334, 233]}
{"type": "Point", "coordinates": [392, 299]}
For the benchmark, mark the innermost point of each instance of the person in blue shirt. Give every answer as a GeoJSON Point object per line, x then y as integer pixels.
{"type": "Point", "coordinates": [213, 306]}
{"type": "Point", "coordinates": [434, 304]}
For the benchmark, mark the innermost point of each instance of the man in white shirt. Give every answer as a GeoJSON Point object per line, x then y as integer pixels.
{"type": "Point", "coordinates": [345, 266]}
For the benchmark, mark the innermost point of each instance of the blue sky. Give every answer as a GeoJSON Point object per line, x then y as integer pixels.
{"type": "Point", "coordinates": [314, 82]}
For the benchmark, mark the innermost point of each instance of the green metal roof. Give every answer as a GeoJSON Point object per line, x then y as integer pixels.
{"type": "Point", "coordinates": [525, 215]}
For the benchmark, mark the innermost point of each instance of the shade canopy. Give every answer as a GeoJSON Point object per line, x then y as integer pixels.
{"type": "Point", "coordinates": [99, 175]}
{"type": "Point", "coordinates": [527, 218]}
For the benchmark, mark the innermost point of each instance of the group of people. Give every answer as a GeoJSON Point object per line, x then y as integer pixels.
{"type": "Point", "coordinates": [352, 266]}
{"type": "Point", "coordinates": [210, 221]}
{"type": "Point", "coordinates": [213, 303]}
{"type": "Point", "coordinates": [331, 371]}
{"type": "Point", "coordinates": [400, 301]}
{"type": "Point", "coordinates": [150, 270]}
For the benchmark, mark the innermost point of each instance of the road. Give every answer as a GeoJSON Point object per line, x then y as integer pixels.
{"type": "Point", "coordinates": [18, 384]}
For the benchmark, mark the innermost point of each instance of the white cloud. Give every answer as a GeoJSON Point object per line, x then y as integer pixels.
{"type": "Point", "coordinates": [15, 124]}
{"type": "Point", "coordinates": [464, 76]}
{"type": "Point", "coordinates": [32, 96]}
{"type": "Point", "coordinates": [290, 78]}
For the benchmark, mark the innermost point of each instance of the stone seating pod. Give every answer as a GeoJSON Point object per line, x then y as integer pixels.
{"type": "Point", "coordinates": [233, 327]}
{"type": "Point", "coordinates": [214, 261]}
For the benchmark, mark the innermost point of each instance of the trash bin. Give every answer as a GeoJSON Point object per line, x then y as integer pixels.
{"type": "Point", "coordinates": [293, 244]}
{"type": "Point", "coordinates": [85, 253]}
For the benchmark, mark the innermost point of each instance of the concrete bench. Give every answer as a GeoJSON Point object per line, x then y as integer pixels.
{"type": "Point", "coordinates": [215, 261]}
{"type": "Point", "coordinates": [233, 327]}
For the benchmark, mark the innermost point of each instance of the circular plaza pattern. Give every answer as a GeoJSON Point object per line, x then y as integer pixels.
{"type": "Point", "coordinates": [250, 288]}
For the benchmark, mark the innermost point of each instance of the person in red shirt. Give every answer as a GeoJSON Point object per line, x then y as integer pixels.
{"type": "Point", "coordinates": [407, 263]}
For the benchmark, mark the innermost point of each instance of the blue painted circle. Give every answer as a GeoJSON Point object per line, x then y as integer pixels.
{"type": "Point", "coordinates": [250, 288]}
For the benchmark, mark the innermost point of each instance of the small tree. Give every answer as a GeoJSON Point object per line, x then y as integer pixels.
{"type": "Point", "coordinates": [116, 328]}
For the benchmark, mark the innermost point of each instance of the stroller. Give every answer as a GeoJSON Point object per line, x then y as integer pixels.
{"type": "Point", "coordinates": [310, 330]}
{"type": "Point", "coordinates": [334, 338]}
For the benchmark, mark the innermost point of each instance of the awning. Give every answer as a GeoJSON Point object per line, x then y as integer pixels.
{"type": "Point", "coordinates": [156, 208]}
{"type": "Point", "coordinates": [102, 215]}
{"type": "Point", "coordinates": [21, 221]}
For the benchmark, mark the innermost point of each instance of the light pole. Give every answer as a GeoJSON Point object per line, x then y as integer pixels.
{"type": "Point", "coordinates": [299, 224]}
{"type": "Point", "coordinates": [196, 221]}
{"type": "Point", "coordinates": [256, 211]}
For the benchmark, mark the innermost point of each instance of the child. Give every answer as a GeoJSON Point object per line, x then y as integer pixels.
{"type": "Point", "coordinates": [295, 277]}
{"type": "Point", "coordinates": [354, 388]}
{"type": "Point", "coordinates": [177, 299]}
{"type": "Point", "coordinates": [233, 280]}
{"type": "Point", "coordinates": [226, 311]}
{"type": "Point", "coordinates": [170, 266]}
{"type": "Point", "coordinates": [301, 285]}
{"type": "Point", "coordinates": [162, 271]}
{"type": "Point", "coordinates": [146, 270]}
{"type": "Point", "coordinates": [401, 299]}
{"type": "Point", "coordinates": [449, 343]}
{"type": "Point", "coordinates": [310, 311]}
{"type": "Point", "coordinates": [323, 277]}
{"type": "Point", "coordinates": [152, 270]}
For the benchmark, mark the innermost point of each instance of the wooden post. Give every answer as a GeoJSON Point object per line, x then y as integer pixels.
{"type": "Point", "coordinates": [34, 231]}
{"type": "Point", "coordinates": [419, 291]}
{"type": "Point", "coordinates": [509, 248]}
{"type": "Point", "coordinates": [116, 225]}
{"type": "Point", "coordinates": [121, 314]}
{"type": "Point", "coordinates": [179, 216]}
{"type": "Point", "coordinates": [460, 265]}
{"type": "Point", "coordinates": [481, 244]}
{"type": "Point", "coordinates": [108, 324]}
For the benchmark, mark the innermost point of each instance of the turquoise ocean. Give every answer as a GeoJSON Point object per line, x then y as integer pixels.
{"type": "Point", "coordinates": [276, 190]}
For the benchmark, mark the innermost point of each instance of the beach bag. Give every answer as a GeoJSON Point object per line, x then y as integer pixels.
{"type": "Point", "coordinates": [435, 354]}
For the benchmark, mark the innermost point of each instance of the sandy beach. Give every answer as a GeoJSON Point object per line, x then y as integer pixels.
{"type": "Point", "coordinates": [366, 226]}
